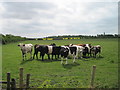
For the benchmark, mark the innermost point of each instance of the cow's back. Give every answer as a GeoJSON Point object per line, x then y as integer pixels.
{"type": "Point", "coordinates": [27, 48]}
{"type": "Point", "coordinates": [56, 50]}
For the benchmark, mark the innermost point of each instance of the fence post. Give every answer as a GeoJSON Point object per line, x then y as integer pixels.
{"type": "Point", "coordinates": [93, 75]}
{"type": "Point", "coordinates": [8, 81]}
{"type": "Point", "coordinates": [21, 78]}
{"type": "Point", "coordinates": [27, 80]}
{"type": "Point", "coordinates": [13, 84]}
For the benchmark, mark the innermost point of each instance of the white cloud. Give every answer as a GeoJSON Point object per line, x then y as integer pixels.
{"type": "Point", "coordinates": [58, 18]}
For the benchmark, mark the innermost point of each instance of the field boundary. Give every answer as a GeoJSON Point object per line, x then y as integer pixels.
{"type": "Point", "coordinates": [11, 83]}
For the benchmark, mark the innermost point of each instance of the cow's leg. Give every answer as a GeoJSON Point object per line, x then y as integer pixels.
{"type": "Point", "coordinates": [42, 56]}
{"type": "Point", "coordinates": [36, 55]}
{"type": "Point", "coordinates": [55, 56]}
{"type": "Point", "coordinates": [90, 54]}
{"type": "Point", "coordinates": [61, 60]}
{"type": "Point", "coordinates": [49, 56]}
{"type": "Point", "coordinates": [84, 54]}
{"type": "Point", "coordinates": [23, 56]}
{"type": "Point", "coordinates": [74, 58]}
{"type": "Point", "coordinates": [58, 55]}
{"type": "Point", "coordinates": [80, 55]}
{"type": "Point", "coordinates": [33, 55]}
{"type": "Point", "coordinates": [94, 55]}
{"type": "Point", "coordinates": [30, 55]}
{"type": "Point", "coordinates": [52, 56]}
{"type": "Point", "coordinates": [66, 61]}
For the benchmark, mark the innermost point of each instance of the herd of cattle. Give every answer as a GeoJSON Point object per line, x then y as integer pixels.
{"type": "Point", "coordinates": [75, 51]}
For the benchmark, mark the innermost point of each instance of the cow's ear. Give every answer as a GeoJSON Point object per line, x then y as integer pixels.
{"type": "Point", "coordinates": [23, 44]}
{"type": "Point", "coordinates": [18, 45]}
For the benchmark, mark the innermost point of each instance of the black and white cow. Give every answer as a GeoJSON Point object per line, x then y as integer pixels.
{"type": "Point", "coordinates": [86, 51]}
{"type": "Point", "coordinates": [46, 49]}
{"type": "Point", "coordinates": [74, 51]}
{"type": "Point", "coordinates": [64, 52]}
{"type": "Point", "coordinates": [95, 50]}
{"type": "Point", "coordinates": [26, 48]}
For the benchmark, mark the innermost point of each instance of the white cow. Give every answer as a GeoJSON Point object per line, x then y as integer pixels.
{"type": "Point", "coordinates": [26, 48]}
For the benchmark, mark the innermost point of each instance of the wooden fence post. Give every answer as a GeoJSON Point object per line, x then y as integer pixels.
{"type": "Point", "coordinates": [27, 80]}
{"type": "Point", "coordinates": [21, 78]}
{"type": "Point", "coordinates": [13, 84]}
{"type": "Point", "coordinates": [8, 81]}
{"type": "Point", "coordinates": [93, 75]}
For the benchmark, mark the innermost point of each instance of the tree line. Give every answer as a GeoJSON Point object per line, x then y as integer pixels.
{"type": "Point", "coordinates": [62, 37]}
{"type": "Point", "coordinates": [84, 36]}
{"type": "Point", "coordinates": [8, 38]}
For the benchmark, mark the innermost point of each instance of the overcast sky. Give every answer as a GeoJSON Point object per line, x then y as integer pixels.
{"type": "Point", "coordinates": [63, 17]}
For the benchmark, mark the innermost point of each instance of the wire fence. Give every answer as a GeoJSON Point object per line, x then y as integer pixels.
{"type": "Point", "coordinates": [45, 81]}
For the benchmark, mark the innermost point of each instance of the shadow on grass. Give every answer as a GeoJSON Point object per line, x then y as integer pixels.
{"type": "Point", "coordinates": [99, 57]}
{"type": "Point", "coordinates": [48, 60]}
{"type": "Point", "coordinates": [85, 60]}
{"type": "Point", "coordinates": [92, 58]}
{"type": "Point", "coordinates": [69, 66]}
{"type": "Point", "coordinates": [87, 57]}
{"type": "Point", "coordinates": [25, 61]}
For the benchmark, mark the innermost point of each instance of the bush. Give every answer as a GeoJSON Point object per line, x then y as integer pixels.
{"type": "Point", "coordinates": [8, 38]}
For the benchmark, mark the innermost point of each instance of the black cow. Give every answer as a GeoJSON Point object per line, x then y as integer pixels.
{"type": "Point", "coordinates": [56, 51]}
{"type": "Point", "coordinates": [43, 49]}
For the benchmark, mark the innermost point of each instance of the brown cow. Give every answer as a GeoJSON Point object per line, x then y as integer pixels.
{"type": "Point", "coordinates": [81, 45]}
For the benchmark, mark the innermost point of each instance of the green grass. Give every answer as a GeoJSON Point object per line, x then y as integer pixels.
{"type": "Point", "coordinates": [74, 75]}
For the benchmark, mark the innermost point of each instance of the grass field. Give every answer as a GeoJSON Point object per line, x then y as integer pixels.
{"type": "Point", "coordinates": [73, 75]}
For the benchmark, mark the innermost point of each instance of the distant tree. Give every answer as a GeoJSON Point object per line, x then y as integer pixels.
{"type": "Point", "coordinates": [8, 38]}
